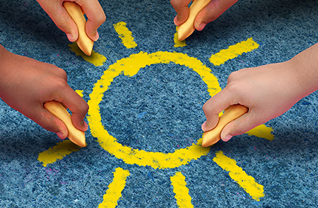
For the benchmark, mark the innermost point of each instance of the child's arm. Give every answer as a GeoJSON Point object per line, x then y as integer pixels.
{"type": "Point", "coordinates": [92, 9]}
{"type": "Point", "coordinates": [26, 84]}
{"type": "Point", "coordinates": [208, 14]}
{"type": "Point", "coordinates": [268, 91]}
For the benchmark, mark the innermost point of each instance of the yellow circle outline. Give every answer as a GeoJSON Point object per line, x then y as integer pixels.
{"type": "Point", "coordinates": [130, 66]}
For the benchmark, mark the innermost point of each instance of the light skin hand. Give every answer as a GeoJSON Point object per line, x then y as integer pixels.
{"type": "Point", "coordinates": [26, 84]}
{"type": "Point", "coordinates": [268, 91]}
{"type": "Point", "coordinates": [93, 10]}
{"type": "Point", "coordinates": [208, 14]}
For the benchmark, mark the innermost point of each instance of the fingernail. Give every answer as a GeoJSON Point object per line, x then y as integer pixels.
{"type": "Point", "coordinates": [70, 37]}
{"type": "Point", "coordinates": [84, 124]}
{"type": "Point", "coordinates": [201, 27]}
{"type": "Point", "coordinates": [175, 20]}
{"type": "Point", "coordinates": [94, 36]}
{"type": "Point", "coordinates": [227, 138]}
{"type": "Point", "coordinates": [203, 126]}
{"type": "Point", "coordinates": [60, 135]}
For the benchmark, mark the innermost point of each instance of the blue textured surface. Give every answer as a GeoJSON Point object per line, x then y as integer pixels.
{"type": "Point", "coordinates": [160, 109]}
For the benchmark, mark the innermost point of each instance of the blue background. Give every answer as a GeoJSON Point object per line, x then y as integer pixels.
{"type": "Point", "coordinates": [160, 108]}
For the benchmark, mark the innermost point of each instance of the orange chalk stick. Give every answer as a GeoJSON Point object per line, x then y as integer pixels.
{"type": "Point", "coordinates": [187, 28]}
{"type": "Point", "coordinates": [75, 135]}
{"type": "Point", "coordinates": [83, 41]}
{"type": "Point", "coordinates": [213, 136]}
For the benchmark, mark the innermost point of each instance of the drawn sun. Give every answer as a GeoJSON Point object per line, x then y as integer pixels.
{"type": "Point", "coordinates": [130, 66]}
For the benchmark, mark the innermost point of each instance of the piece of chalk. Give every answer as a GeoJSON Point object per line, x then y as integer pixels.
{"type": "Point", "coordinates": [83, 41]}
{"type": "Point", "coordinates": [75, 135]}
{"type": "Point", "coordinates": [187, 28]}
{"type": "Point", "coordinates": [213, 136]}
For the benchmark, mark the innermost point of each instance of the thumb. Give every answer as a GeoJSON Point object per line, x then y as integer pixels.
{"type": "Point", "coordinates": [237, 127]}
{"type": "Point", "coordinates": [65, 23]}
{"type": "Point", "coordinates": [211, 12]}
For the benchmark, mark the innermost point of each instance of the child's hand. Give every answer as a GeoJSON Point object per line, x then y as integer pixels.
{"type": "Point", "coordinates": [92, 9]}
{"type": "Point", "coordinates": [26, 84]}
{"type": "Point", "coordinates": [268, 91]}
{"type": "Point", "coordinates": [208, 14]}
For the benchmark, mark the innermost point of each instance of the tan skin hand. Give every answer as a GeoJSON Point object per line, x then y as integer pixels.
{"type": "Point", "coordinates": [208, 14]}
{"type": "Point", "coordinates": [26, 84]}
{"type": "Point", "coordinates": [93, 10]}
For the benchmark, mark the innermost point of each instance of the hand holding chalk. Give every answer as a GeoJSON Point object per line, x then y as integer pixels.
{"type": "Point", "coordinates": [187, 28]}
{"type": "Point", "coordinates": [83, 41]}
{"type": "Point", "coordinates": [213, 136]}
{"type": "Point", "coordinates": [199, 14]}
{"type": "Point", "coordinates": [75, 135]}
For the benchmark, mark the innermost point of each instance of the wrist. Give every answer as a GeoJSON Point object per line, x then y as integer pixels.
{"type": "Point", "coordinates": [304, 68]}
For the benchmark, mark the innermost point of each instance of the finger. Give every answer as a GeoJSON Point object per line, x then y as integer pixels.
{"type": "Point", "coordinates": [77, 105]}
{"type": "Point", "coordinates": [182, 9]}
{"type": "Point", "coordinates": [214, 106]}
{"type": "Point", "coordinates": [211, 12]}
{"type": "Point", "coordinates": [240, 126]}
{"type": "Point", "coordinates": [95, 18]}
{"type": "Point", "coordinates": [61, 19]}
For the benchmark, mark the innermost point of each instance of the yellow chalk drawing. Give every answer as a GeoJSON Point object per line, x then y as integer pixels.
{"type": "Point", "coordinates": [80, 92]}
{"type": "Point", "coordinates": [113, 194]}
{"type": "Point", "coordinates": [248, 183]}
{"type": "Point", "coordinates": [96, 58]}
{"type": "Point", "coordinates": [262, 131]}
{"type": "Point", "coordinates": [233, 51]}
{"type": "Point", "coordinates": [125, 35]}
{"type": "Point", "coordinates": [181, 191]}
{"type": "Point", "coordinates": [129, 67]}
{"type": "Point", "coordinates": [57, 152]}
{"type": "Point", "coordinates": [178, 43]}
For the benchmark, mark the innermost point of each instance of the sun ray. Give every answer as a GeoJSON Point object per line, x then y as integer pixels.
{"type": "Point", "coordinates": [113, 193]}
{"type": "Point", "coordinates": [178, 43]}
{"type": "Point", "coordinates": [248, 183]}
{"type": "Point", "coordinates": [96, 58]}
{"type": "Point", "coordinates": [80, 92]}
{"type": "Point", "coordinates": [233, 51]}
{"type": "Point", "coordinates": [262, 131]}
{"type": "Point", "coordinates": [58, 152]}
{"type": "Point", "coordinates": [181, 191]}
{"type": "Point", "coordinates": [125, 35]}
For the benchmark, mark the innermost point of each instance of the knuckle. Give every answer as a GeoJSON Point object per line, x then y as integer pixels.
{"type": "Point", "coordinates": [60, 83]}
{"type": "Point", "coordinates": [58, 72]}
{"type": "Point", "coordinates": [82, 106]}
{"type": "Point", "coordinates": [206, 109]}
{"type": "Point", "coordinates": [233, 76]}
{"type": "Point", "coordinates": [62, 74]}
{"type": "Point", "coordinates": [174, 3]}
{"type": "Point", "coordinates": [103, 18]}
{"type": "Point", "coordinates": [100, 19]}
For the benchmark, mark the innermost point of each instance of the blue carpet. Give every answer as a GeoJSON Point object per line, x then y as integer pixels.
{"type": "Point", "coordinates": [160, 110]}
